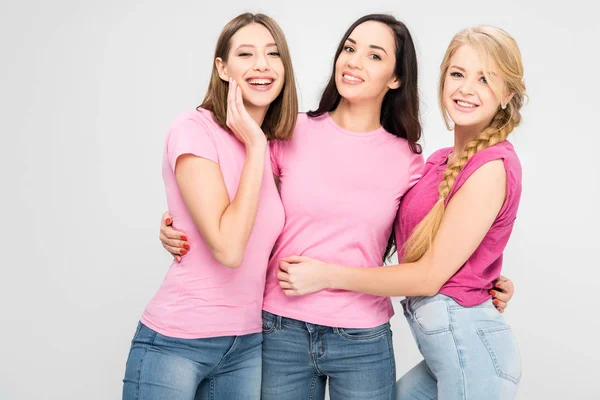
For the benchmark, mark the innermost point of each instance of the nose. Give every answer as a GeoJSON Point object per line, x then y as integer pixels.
{"type": "Point", "coordinates": [261, 63]}
{"type": "Point", "coordinates": [467, 87]}
{"type": "Point", "coordinates": [354, 61]}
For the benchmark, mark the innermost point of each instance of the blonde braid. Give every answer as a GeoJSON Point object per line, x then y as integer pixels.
{"type": "Point", "coordinates": [421, 238]}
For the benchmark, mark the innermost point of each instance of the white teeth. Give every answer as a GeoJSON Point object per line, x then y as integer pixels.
{"type": "Point", "coordinates": [463, 104]}
{"type": "Point", "coordinates": [260, 81]}
{"type": "Point", "coordinates": [352, 78]}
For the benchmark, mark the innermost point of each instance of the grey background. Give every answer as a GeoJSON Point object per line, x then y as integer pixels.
{"type": "Point", "coordinates": [87, 90]}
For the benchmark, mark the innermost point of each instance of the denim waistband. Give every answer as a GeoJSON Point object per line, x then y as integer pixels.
{"type": "Point", "coordinates": [281, 320]}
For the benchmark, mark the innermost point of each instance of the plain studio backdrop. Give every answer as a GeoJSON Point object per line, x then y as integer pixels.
{"type": "Point", "coordinates": [88, 90]}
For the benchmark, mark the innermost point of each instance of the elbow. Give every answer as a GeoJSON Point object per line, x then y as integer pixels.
{"type": "Point", "coordinates": [229, 259]}
{"type": "Point", "coordinates": [432, 286]}
{"type": "Point", "coordinates": [430, 290]}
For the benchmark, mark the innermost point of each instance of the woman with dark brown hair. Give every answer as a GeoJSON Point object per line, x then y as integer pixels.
{"type": "Point", "coordinates": [201, 333]}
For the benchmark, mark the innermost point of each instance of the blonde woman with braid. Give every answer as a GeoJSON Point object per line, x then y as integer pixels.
{"type": "Point", "coordinates": [452, 228]}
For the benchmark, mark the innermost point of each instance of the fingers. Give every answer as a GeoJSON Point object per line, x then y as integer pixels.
{"type": "Point", "coordinates": [179, 245]}
{"type": "Point", "coordinates": [239, 101]}
{"type": "Point", "coordinates": [294, 259]}
{"type": "Point", "coordinates": [506, 286]}
{"type": "Point", "coordinates": [497, 294]}
{"type": "Point", "coordinates": [230, 93]}
{"type": "Point", "coordinates": [169, 233]}
{"type": "Point", "coordinates": [500, 305]}
{"type": "Point", "coordinates": [291, 292]}
{"type": "Point", "coordinates": [283, 276]}
{"type": "Point", "coordinates": [285, 285]}
{"type": "Point", "coordinates": [166, 218]}
{"type": "Point", "coordinates": [284, 266]}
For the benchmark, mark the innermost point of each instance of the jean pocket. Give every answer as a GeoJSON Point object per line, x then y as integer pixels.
{"type": "Point", "coordinates": [365, 333]}
{"type": "Point", "coordinates": [432, 318]}
{"type": "Point", "coordinates": [504, 351]}
{"type": "Point", "coordinates": [269, 322]}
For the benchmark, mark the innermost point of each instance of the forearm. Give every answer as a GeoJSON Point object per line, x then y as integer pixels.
{"type": "Point", "coordinates": [238, 219]}
{"type": "Point", "coordinates": [413, 279]}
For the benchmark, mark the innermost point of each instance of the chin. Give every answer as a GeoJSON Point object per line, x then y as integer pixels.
{"type": "Point", "coordinates": [261, 101]}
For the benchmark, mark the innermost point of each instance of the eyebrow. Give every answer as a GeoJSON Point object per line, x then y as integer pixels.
{"type": "Point", "coordinates": [463, 70]}
{"type": "Point", "coordinates": [373, 46]}
{"type": "Point", "coordinates": [251, 45]}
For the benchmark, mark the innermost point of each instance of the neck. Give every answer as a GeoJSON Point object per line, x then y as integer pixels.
{"type": "Point", "coordinates": [257, 113]}
{"type": "Point", "coordinates": [463, 135]}
{"type": "Point", "coordinates": [357, 117]}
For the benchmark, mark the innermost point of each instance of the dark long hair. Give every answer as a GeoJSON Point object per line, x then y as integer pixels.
{"type": "Point", "coordinates": [400, 108]}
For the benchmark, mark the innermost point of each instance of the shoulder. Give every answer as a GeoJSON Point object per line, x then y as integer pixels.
{"type": "Point", "coordinates": [439, 156]}
{"type": "Point", "coordinates": [200, 120]}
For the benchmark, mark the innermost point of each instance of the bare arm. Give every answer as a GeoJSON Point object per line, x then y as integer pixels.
{"type": "Point", "coordinates": [225, 225]}
{"type": "Point", "coordinates": [467, 219]}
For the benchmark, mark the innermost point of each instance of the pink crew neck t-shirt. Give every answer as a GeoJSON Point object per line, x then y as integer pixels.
{"type": "Point", "coordinates": [470, 284]}
{"type": "Point", "coordinates": [199, 297]}
{"type": "Point", "coordinates": [341, 192]}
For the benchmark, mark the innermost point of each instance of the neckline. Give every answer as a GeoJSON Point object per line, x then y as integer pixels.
{"type": "Point", "coordinates": [377, 131]}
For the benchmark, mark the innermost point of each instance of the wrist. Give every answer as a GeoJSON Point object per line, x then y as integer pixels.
{"type": "Point", "coordinates": [332, 276]}
{"type": "Point", "coordinates": [258, 145]}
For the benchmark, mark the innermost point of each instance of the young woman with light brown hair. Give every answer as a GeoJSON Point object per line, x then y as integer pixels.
{"type": "Point", "coordinates": [200, 336]}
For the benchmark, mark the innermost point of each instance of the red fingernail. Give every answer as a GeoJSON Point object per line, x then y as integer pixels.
{"type": "Point", "coordinates": [186, 245]}
{"type": "Point", "coordinates": [492, 293]}
{"type": "Point", "coordinates": [495, 302]}
{"type": "Point", "coordinates": [183, 252]}
{"type": "Point", "coordinates": [183, 237]}
{"type": "Point", "coordinates": [178, 259]}
{"type": "Point", "coordinates": [168, 221]}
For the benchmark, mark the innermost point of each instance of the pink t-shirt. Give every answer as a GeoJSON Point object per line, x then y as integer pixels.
{"type": "Point", "coordinates": [199, 297]}
{"type": "Point", "coordinates": [470, 285]}
{"type": "Point", "coordinates": [341, 192]}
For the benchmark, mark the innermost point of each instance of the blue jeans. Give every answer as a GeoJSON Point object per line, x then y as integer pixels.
{"type": "Point", "coordinates": [469, 352]}
{"type": "Point", "coordinates": [161, 367]}
{"type": "Point", "coordinates": [298, 357]}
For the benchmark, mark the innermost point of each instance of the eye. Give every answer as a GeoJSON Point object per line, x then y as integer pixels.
{"type": "Point", "coordinates": [375, 56]}
{"type": "Point", "coordinates": [349, 49]}
{"type": "Point", "coordinates": [244, 54]}
{"type": "Point", "coordinates": [483, 80]}
{"type": "Point", "coordinates": [274, 54]}
{"type": "Point", "coordinates": [456, 74]}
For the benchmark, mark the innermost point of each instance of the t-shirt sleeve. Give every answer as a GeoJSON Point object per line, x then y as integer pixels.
{"type": "Point", "coordinates": [190, 136]}
{"type": "Point", "coordinates": [276, 154]}
{"type": "Point", "coordinates": [415, 169]}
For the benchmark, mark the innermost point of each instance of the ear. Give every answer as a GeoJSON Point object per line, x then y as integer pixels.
{"type": "Point", "coordinates": [394, 83]}
{"type": "Point", "coordinates": [222, 69]}
{"type": "Point", "coordinates": [506, 100]}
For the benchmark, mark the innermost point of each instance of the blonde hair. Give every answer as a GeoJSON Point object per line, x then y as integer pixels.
{"type": "Point", "coordinates": [495, 47]}
{"type": "Point", "coordinates": [281, 116]}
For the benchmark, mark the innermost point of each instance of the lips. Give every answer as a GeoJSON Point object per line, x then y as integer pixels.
{"type": "Point", "coordinates": [351, 79]}
{"type": "Point", "coordinates": [465, 104]}
{"type": "Point", "coordinates": [260, 83]}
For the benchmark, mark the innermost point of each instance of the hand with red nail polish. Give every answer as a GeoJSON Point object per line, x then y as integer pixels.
{"type": "Point", "coordinates": [173, 241]}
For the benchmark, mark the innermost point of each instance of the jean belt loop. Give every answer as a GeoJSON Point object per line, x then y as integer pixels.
{"type": "Point", "coordinates": [278, 323]}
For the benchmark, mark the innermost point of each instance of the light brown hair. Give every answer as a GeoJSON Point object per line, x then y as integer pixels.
{"type": "Point", "coordinates": [281, 116]}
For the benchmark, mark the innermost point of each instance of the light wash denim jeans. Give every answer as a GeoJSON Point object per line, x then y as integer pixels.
{"type": "Point", "coordinates": [469, 353]}
{"type": "Point", "coordinates": [161, 367]}
{"type": "Point", "coordinates": [298, 357]}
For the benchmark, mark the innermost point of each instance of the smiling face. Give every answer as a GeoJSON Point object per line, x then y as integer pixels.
{"type": "Point", "coordinates": [254, 63]}
{"type": "Point", "coordinates": [468, 96]}
{"type": "Point", "coordinates": [364, 70]}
